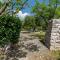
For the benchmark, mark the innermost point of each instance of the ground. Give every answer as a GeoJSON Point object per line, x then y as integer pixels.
{"type": "Point", "coordinates": [29, 48]}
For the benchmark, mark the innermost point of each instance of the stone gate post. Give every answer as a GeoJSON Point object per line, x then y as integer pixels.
{"type": "Point", "coordinates": [52, 39]}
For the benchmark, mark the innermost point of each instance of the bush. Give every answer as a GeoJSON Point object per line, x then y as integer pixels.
{"type": "Point", "coordinates": [10, 28]}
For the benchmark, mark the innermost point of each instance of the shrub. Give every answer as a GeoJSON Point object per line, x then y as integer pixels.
{"type": "Point", "coordinates": [10, 28]}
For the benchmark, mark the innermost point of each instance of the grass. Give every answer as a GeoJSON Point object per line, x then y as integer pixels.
{"type": "Point", "coordinates": [41, 36]}
{"type": "Point", "coordinates": [56, 54]}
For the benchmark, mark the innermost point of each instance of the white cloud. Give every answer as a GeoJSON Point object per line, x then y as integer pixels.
{"type": "Point", "coordinates": [22, 15]}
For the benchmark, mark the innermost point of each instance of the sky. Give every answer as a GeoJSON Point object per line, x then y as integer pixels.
{"type": "Point", "coordinates": [22, 15]}
{"type": "Point", "coordinates": [31, 3]}
{"type": "Point", "coordinates": [26, 11]}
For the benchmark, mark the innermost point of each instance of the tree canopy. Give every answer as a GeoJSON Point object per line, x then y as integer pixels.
{"type": "Point", "coordinates": [46, 11]}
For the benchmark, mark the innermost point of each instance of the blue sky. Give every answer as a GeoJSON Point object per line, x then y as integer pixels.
{"type": "Point", "coordinates": [31, 3]}
{"type": "Point", "coordinates": [28, 9]}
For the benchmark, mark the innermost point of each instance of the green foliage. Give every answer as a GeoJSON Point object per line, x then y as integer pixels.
{"type": "Point", "coordinates": [57, 13]}
{"type": "Point", "coordinates": [29, 23]}
{"type": "Point", "coordinates": [33, 23]}
{"type": "Point", "coordinates": [56, 54]}
{"type": "Point", "coordinates": [10, 28]}
{"type": "Point", "coordinates": [46, 11]}
{"type": "Point", "coordinates": [1, 4]}
{"type": "Point", "coordinates": [41, 36]}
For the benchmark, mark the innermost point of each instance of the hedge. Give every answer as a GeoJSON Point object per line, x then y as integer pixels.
{"type": "Point", "coordinates": [10, 28]}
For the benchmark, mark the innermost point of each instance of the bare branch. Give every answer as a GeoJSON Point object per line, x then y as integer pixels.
{"type": "Point", "coordinates": [4, 7]}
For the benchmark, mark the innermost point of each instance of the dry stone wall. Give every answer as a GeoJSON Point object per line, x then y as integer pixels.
{"type": "Point", "coordinates": [52, 40]}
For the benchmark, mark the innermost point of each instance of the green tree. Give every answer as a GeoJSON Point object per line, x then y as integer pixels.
{"type": "Point", "coordinates": [46, 11]}
{"type": "Point", "coordinates": [29, 23]}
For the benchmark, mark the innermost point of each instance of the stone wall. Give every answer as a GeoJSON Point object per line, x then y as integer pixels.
{"type": "Point", "coordinates": [52, 40]}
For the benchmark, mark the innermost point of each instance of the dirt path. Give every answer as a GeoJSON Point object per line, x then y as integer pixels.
{"type": "Point", "coordinates": [32, 42]}
{"type": "Point", "coordinates": [28, 45]}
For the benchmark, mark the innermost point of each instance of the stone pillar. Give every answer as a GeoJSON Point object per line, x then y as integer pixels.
{"type": "Point", "coordinates": [52, 40]}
